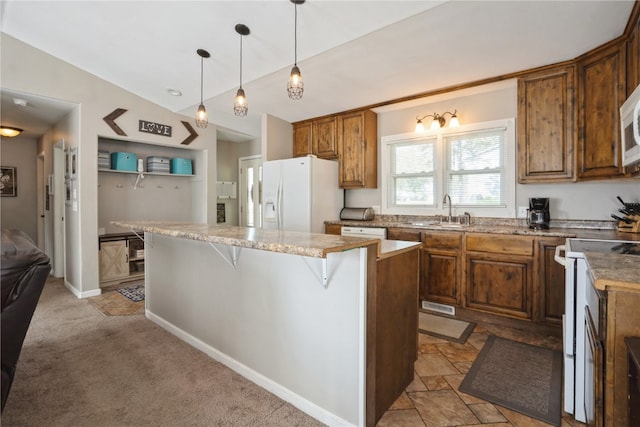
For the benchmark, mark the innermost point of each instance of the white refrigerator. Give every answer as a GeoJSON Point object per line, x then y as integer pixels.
{"type": "Point", "coordinates": [299, 194]}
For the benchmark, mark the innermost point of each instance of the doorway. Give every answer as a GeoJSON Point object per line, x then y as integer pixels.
{"type": "Point", "coordinates": [250, 193]}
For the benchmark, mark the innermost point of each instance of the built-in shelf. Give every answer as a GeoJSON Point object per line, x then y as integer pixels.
{"type": "Point", "coordinates": [146, 173]}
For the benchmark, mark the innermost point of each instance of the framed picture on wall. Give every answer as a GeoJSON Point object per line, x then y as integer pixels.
{"type": "Point", "coordinates": [8, 181]}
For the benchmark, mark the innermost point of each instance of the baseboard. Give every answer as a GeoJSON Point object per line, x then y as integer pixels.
{"type": "Point", "coordinates": [284, 393]}
{"type": "Point", "coordinates": [80, 294]}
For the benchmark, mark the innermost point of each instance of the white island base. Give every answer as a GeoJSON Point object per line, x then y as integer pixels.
{"type": "Point", "coordinates": [268, 316]}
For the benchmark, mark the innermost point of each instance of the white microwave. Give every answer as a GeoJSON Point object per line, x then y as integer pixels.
{"type": "Point", "coordinates": [630, 128]}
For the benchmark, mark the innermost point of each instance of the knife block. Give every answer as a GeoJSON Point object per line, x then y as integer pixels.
{"type": "Point", "coordinates": [634, 227]}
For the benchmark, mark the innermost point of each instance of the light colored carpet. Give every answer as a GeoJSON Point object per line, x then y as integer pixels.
{"type": "Point", "coordinates": [81, 368]}
{"type": "Point", "coordinates": [444, 327]}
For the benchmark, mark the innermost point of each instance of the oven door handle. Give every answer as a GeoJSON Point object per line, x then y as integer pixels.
{"type": "Point", "coordinates": [562, 260]}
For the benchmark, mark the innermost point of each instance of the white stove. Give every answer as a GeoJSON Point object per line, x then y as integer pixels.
{"type": "Point", "coordinates": [577, 282]}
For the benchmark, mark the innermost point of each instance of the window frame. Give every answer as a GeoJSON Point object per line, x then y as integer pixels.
{"type": "Point", "coordinates": [441, 170]}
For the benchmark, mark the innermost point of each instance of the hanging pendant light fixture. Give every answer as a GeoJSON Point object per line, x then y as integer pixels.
{"type": "Point", "coordinates": [295, 86]}
{"type": "Point", "coordinates": [240, 105]}
{"type": "Point", "coordinates": [202, 118]}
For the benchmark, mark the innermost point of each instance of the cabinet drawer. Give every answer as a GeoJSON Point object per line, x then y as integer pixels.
{"type": "Point", "coordinates": [513, 245]}
{"type": "Point", "coordinates": [441, 240]}
{"type": "Point", "coordinates": [406, 234]}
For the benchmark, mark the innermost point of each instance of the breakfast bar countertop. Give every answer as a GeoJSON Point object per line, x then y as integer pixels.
{"type": "Point", "coordinates": [289, 242]}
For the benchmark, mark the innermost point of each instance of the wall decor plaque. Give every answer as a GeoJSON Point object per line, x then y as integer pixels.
{"type": "Point", "coordinates": [155, 128]}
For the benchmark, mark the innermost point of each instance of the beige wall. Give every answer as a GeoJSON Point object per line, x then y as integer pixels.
{"type": "Point", "coordinates": [20, 212]}
{"type": "Point", "coordinates": [26, 69]}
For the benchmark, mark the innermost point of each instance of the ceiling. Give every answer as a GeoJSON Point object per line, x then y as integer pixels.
{"type": "Point", "coordinates": [351, 53]}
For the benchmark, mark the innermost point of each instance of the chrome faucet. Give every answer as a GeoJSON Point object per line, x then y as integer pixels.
{"type": "Point", "coordinates": [444, 201]}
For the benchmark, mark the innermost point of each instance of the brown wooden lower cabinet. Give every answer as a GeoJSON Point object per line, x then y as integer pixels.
{"type": "Point", "coordinates": [441, 270]}
{"type": "Point", "coordinates": [499, 274]}
{"type": "Point", "coordinates": [393, 315]}
{"type": "Point", "coordinates": [551, 282]}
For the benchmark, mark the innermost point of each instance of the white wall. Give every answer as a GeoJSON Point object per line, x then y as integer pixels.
{"type": "Point", "coordinates": [32, 71]}
{"type": "Point", "coordinates": [21, 212]}
{"type": "Point", "coordinates": [593, 200]}
{"type": "Point", "coordinates": [277, 138]}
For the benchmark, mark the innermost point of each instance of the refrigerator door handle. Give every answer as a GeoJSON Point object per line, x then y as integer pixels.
{"type": "Point", "coordinates": [279, 217]}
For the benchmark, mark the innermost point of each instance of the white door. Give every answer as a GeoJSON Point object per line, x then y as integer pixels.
{"type": "Point", "coordinates": [250, 194]}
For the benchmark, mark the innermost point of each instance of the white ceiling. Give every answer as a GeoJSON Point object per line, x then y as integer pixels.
{"type": "Point", "coordinates": [351, 53]}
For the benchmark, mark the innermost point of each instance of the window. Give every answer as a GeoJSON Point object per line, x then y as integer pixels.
{"type": "Point", "coordinates": [473, 164]}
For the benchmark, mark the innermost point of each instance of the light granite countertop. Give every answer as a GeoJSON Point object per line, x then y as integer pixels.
{"type": "Point", "coordinates": [618, 271]}
{"type": "Point", "coordinates": [289, 242]}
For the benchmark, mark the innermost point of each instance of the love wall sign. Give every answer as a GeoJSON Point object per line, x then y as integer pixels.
{"type": "Point", "coordinates": [155, 128]}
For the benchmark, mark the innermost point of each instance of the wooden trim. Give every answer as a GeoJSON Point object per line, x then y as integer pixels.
{"type": "Point", "coordinates": [633, 19]}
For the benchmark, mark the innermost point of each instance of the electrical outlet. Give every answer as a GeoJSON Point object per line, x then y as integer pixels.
{"type": "Point", "coordinates": [522, 211]}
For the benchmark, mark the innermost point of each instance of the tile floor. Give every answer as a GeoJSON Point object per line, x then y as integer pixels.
{"type": "Point", "coordinates": [433, 399]}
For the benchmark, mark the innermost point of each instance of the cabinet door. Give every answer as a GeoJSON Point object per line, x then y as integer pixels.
{"type": "Point", "coordinates": [546, 126]}
{"type": "Point", "coordinates": [358, 150]}
{"type": "Point", "coordinates": [440, 277]}
{"type": "Point", "coordinates": [325, 137]}
{"type": "Point", "coordinates": [633, 57]}
{"type": "Point", "coordinates": [114, 260]}
{"type": "Point", "coordinates": [499, 283]}
{"type": "Point", "coordinates": [602, 82]}
{"type": "Point", "coordinates": [551, 277]}
{"type": "Point", "coordinates": [302, 133]}
{"type": "Point", "coordinates": [441, 267]}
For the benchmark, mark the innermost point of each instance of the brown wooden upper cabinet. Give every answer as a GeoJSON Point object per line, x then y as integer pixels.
{"type": "Point", "coordinates": [633, 53]}
{"type": "Point", "coordinates": [325, 137]}
{"type": "Point", "coordinates": [601, 91]}
{"type": "Point", "coordinates": [358, 149]}
{"type": "Point", "coordinates": [302, 144]}
{"type": "Point", "coordinates": [546, 125]}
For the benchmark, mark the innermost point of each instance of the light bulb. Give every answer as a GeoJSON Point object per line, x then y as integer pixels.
{"type": "Point", "coordinates": [454, 122]}
{"type": "Point", "coordinates": [295, 86]}
{"type": "Point", "coordinates": [435, 124]}
{"type": "Point", "coordinates": [419, 126]}
{"type": "Point", "coordinates": [240, 106]}
{"type": "Point", "coordinates": [202, 118]}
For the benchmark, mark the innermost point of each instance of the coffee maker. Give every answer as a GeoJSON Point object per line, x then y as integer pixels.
{"type": "Point", "coordinates": [538, 213]}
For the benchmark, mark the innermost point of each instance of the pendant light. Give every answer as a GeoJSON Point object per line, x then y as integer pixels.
{"type": "Point", "coordinates": [202, 118]}
{"type": "Point", "coordinates": [295, 86]}
{"type": "Point", "coordinates": [240, 105]}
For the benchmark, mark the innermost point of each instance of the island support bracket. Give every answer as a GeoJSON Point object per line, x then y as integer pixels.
{"type": "Point", "coordinates": [232, 258]}
{"type": "Point", "coordinates": [147, 242]}
{"type": "Point", "coordinates": [325, 276]}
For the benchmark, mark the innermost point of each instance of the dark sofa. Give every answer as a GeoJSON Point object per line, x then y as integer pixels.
{"type": "Point", "coordinates": [24, 271]}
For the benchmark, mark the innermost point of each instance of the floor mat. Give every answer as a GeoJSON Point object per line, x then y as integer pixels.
{"type": "Point", "coordinates": [518, 376]}
{"type": "Point", "coordinates": [445, 327]}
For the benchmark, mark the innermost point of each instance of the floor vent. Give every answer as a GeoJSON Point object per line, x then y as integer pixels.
{"type": "Point", "coordinates": [440, 308]}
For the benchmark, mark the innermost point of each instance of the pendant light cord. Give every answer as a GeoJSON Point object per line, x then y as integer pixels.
{"type": "Point", "coordinates": [240, 61]}
{"type": "Point", "coordinates": [295, 34]}
{"type": "Point", "coordinates": [201, 78]}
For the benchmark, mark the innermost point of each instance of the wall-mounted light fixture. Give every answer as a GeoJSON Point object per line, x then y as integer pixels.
{"type": "Point", "coordinates": [295, 86]}
{"type": "Point", "coordinates": [9, 131]}
{"type": "Point", "coordinates": [438, 121]}
{"type": "Point", "coordinates": [202, 118]}
{"type": "Point", "coordinates": [240, 105]}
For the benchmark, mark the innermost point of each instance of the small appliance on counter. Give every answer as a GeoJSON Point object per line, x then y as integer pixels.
{"type": "Point", "coordinates": [357, 214]}
{"type": "Point", "coordinates": [538, 213]}
{"type": "Point", "coordinates": [630, 222]}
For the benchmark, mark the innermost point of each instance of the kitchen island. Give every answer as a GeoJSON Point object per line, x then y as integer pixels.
{"type": "Point", "coordinates": [296, 313]}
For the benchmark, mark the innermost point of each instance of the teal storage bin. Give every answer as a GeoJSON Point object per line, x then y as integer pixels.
{"type": "Point", "coordinates": [122, 161]}
{"type": "Point", "coordinates": [181, 166]}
